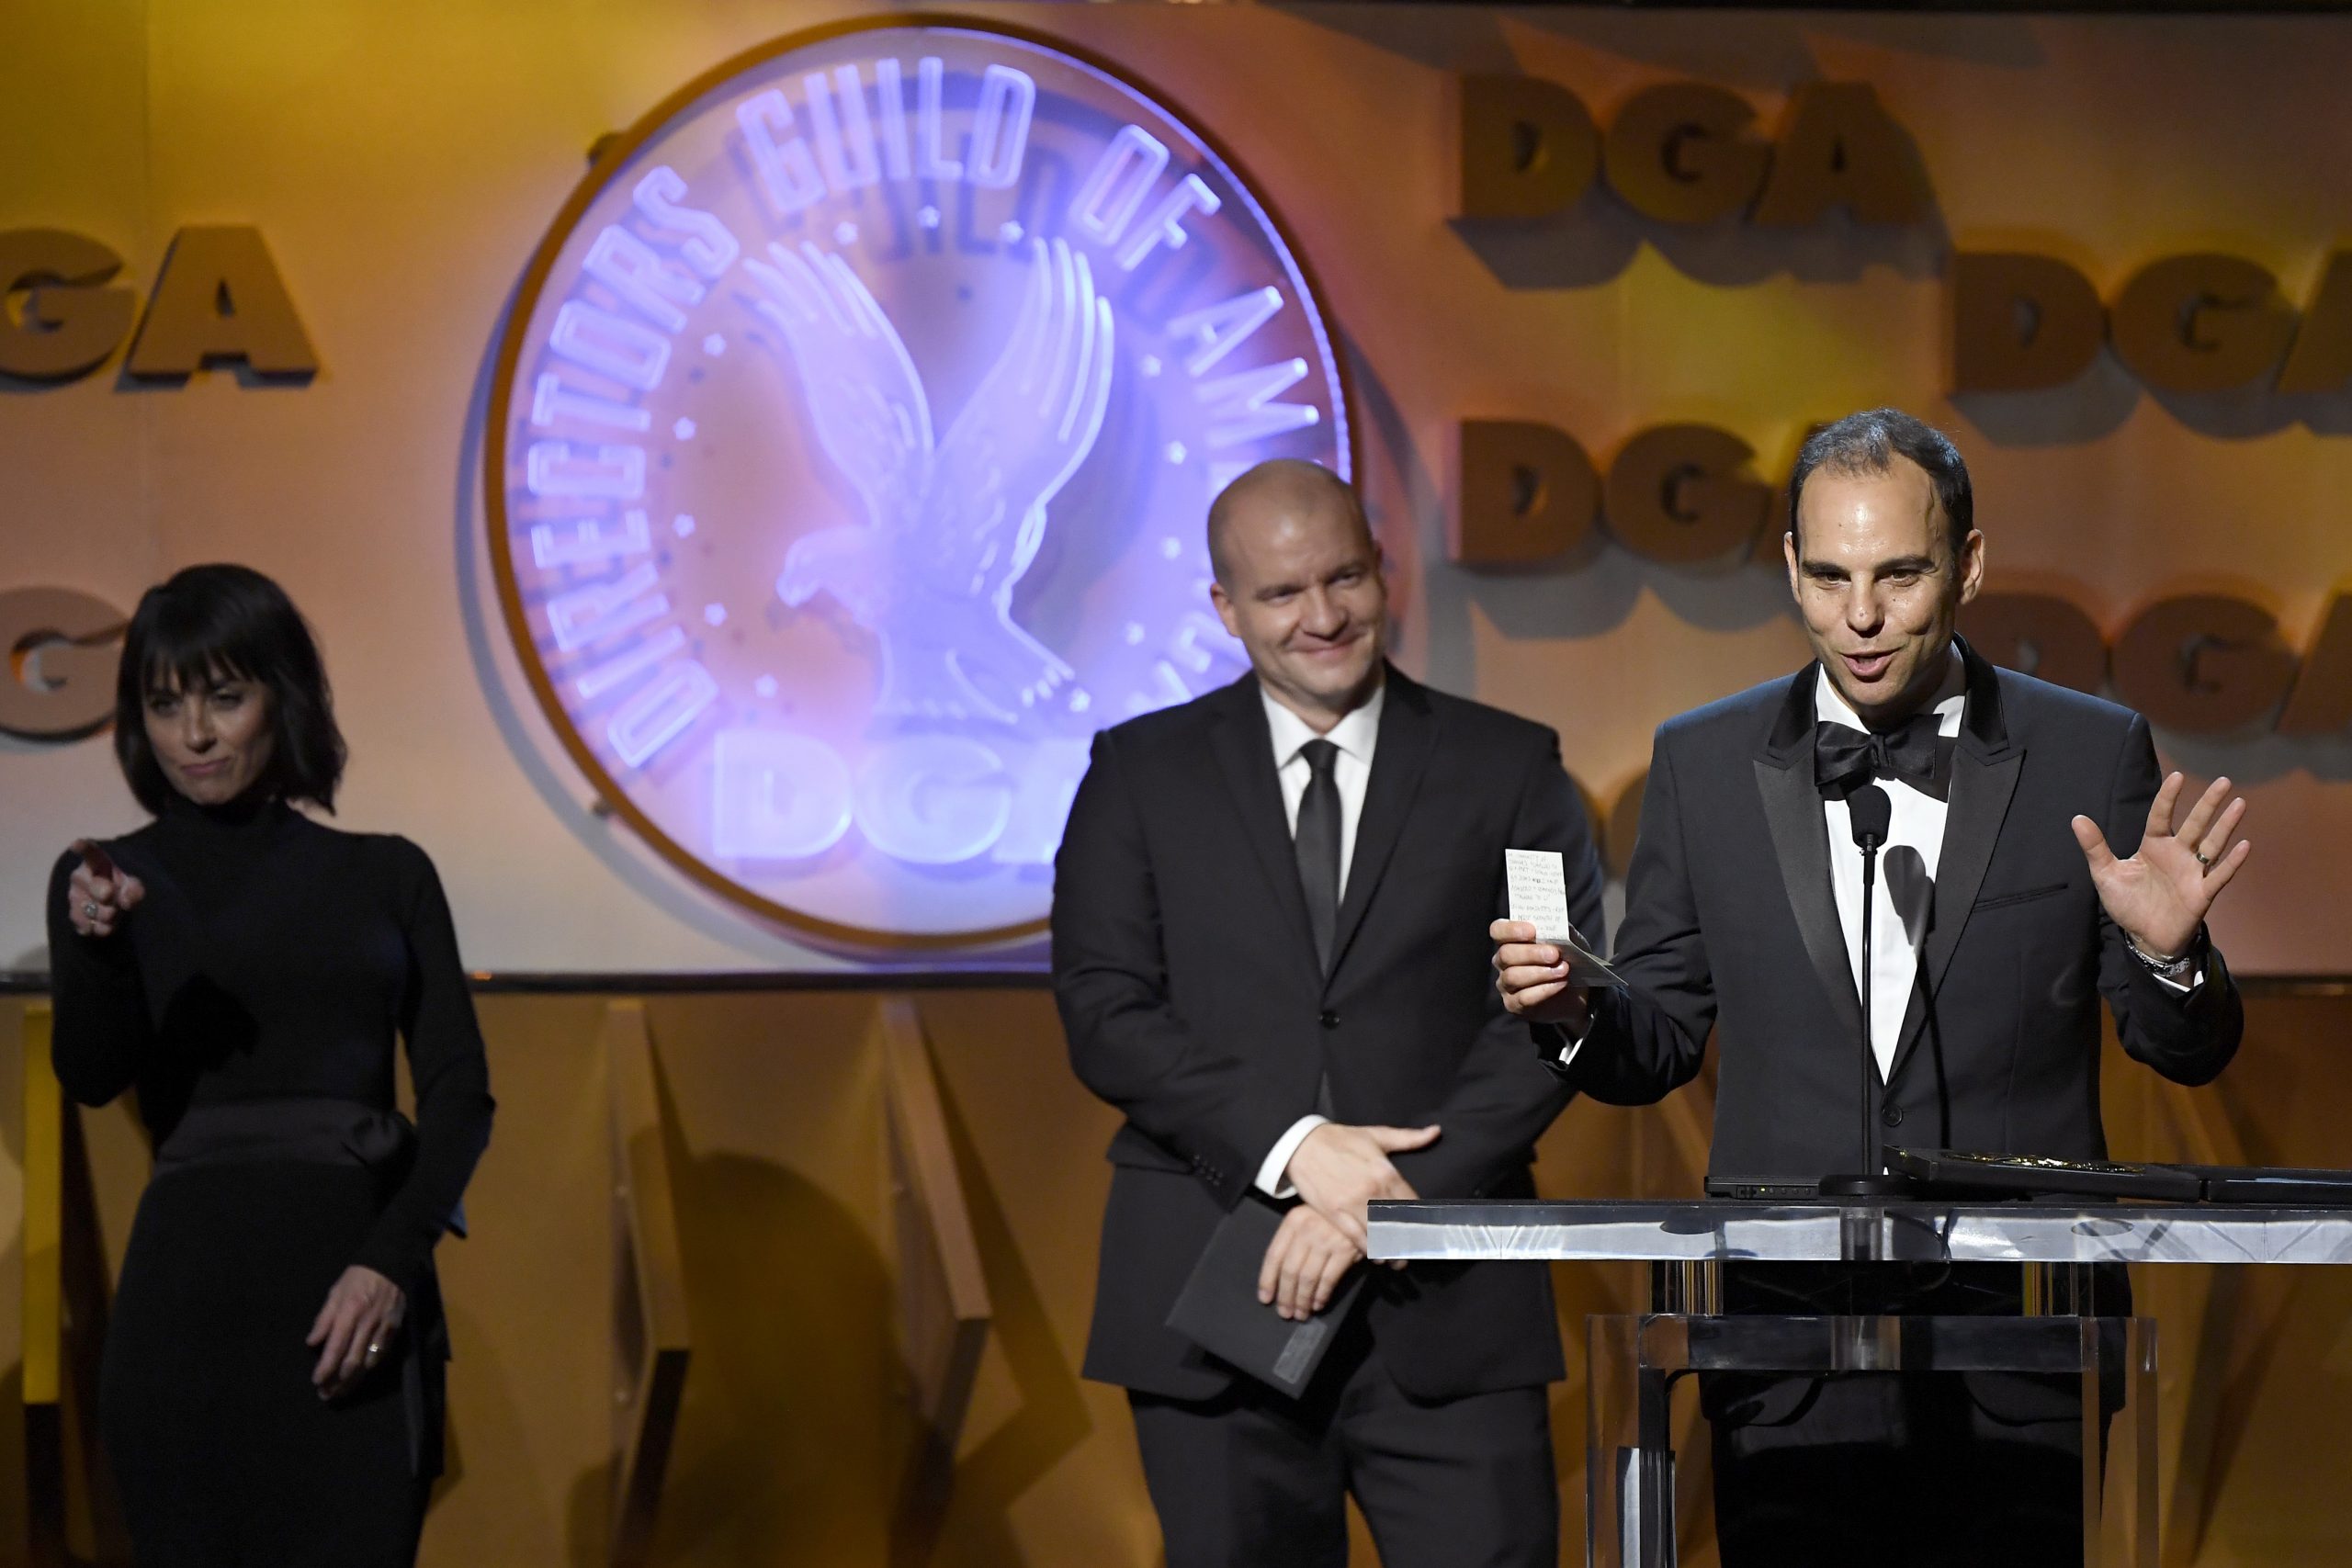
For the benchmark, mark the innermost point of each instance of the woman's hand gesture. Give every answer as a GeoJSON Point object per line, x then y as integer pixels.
{"type": "Point", "coordinates": [100, 893]}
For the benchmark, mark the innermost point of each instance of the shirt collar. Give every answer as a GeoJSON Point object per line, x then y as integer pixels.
{"type": "Point", "coordinates": [1830, 706]}
{"type": "Point", "coordinates": [1356, 734]}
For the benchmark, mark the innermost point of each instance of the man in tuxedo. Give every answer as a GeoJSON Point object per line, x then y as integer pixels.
{"type": "Point", "coordinates": [1266, 953]}
{"type": "Point", "coordinates": [2033, 865]}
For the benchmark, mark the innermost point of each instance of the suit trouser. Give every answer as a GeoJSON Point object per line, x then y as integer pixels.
{"type": "Point", "coordinates": [1252, 1479]}
{"type": "Point", "coordinates": [1883, 1469]}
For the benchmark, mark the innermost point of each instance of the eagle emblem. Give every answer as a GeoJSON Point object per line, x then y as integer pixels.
{"type": "Point", "coordinates": [950, 524]}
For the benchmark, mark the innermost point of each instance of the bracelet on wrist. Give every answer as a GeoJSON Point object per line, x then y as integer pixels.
{"type": "Point", "coordinates": [2174, 968]}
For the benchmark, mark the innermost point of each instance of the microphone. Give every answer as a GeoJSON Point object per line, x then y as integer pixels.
{"type": "Point", "coordinates": [1870, 812]}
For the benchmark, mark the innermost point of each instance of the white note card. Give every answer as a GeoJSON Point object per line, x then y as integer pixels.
{"type": "Point", "coordinates": [1539, 894]}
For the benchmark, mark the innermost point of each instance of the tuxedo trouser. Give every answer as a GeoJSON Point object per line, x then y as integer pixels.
{"type": "Point", "coordinates": [1881, 1470]}
{"type": "Point", "coordinates": [1252, 1479]}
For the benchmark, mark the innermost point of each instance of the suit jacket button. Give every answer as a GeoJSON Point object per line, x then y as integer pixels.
{"type": "Point", "coordinates": [1891, 1116]}
{"type": "Point", "coordinates": [1331, 1019]}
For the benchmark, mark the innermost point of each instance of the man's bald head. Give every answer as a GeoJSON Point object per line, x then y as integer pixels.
{"type": "Point", "coordinates": [1278, 488]}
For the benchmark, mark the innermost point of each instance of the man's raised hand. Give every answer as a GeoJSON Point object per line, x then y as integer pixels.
{"type": "Point", "coordinates": [2161, 894]}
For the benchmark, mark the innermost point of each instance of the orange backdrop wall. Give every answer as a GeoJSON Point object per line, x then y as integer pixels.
{"type": "Point", "coordinates": [403, 161]}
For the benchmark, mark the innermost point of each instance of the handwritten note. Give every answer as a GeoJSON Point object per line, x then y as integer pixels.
{"type": "Point", "coordinates": [1539, 896]}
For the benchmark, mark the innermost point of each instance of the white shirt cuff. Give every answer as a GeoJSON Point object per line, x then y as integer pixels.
{"type": "Point", "coordinates": [1569, 1052]}
{"type": "Point", "coordinates": [1274, 1177]}
{"type": "Point", "coordinates": [2196, 978]}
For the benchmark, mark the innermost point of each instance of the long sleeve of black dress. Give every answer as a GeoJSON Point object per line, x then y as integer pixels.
{"type": "Point", "coordinates": [102, 1034]}
{"type": "Point", "coordinates": [451, 1075]}
{"type": "Point", "coordinates": [274, 957]}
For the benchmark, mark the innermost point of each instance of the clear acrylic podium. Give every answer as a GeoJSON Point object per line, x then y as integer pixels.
{"type": "Point", "coordinates": [1635, 1361]}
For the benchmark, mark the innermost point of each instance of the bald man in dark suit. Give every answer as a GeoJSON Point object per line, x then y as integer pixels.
{"type": "Point", "coordinates": [1267, 955]}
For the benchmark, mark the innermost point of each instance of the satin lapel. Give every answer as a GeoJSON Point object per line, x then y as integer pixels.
{"type": "Point", "coordinates": [1800, 839]}
{"type": "Point", "coordinates": [1408, 734]}
{"type": "Point", "coordinates": [1245, 754]}
{"type": "Point", "coordinates": [1984, 778]}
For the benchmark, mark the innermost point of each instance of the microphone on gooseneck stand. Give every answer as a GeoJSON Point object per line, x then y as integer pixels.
{"type": "Point", "coordinates": [1870, 811]}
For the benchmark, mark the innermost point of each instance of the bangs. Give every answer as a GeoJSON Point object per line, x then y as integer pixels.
{"type": "Point", "coordinates": [196, 640]}
{"type": "Point", "coordinates": [177, 670]}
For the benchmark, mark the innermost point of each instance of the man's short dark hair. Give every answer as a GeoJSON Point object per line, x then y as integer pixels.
{"type": "Point", "coordinates": [1295, 476]}
{"type": "Point", "coordinates": [214, 622]}
{"type": "Point", "coordinates": [1869, 443]}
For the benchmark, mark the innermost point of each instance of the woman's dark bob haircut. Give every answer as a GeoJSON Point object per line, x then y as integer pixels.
{"type": "Point", "coordinates": [214, 623]}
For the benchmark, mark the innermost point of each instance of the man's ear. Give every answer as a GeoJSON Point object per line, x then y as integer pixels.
{"type": "Point", "coordinates": [1789, 553]}
{"type": "Point", "coordinates": [1971, 565]}
{"type": "Point", "coordinates": [1224, 605]}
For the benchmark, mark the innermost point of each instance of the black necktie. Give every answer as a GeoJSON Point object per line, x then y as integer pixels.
{"type": "Point", "coordinates": [1316, 842]}
{"type": "Point", "coordinates": [1845, 759]}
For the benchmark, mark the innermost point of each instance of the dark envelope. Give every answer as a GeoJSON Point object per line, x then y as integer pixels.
{"type": "Point", "coordinates": [1219, 1310]}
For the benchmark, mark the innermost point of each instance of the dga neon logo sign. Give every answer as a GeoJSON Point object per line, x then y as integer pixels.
{"type": "Point", "coordinates": [852, 441]}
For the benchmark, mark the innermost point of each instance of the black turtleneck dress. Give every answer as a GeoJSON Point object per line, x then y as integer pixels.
{"type": "Point", "coordinates": [252, 1000]}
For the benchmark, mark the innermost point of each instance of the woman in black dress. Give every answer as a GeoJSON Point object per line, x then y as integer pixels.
{"type": "Point", "coordinates": [271, 1392]}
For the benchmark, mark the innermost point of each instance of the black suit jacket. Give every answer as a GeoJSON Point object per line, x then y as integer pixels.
{"type": "Point", "coordinates": [1731, 925]}
{"type": "Point", "coordinates": [1190, 995]}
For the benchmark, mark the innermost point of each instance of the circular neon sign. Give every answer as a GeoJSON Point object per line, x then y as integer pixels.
{"type": "Point", "coordinates": [848, 453]}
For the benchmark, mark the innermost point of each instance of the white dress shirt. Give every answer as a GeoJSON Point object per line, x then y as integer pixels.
{"type": "Point", "coordinates": [1904, 890]}
{"type": "Point", "coordinates": [1355, 736]}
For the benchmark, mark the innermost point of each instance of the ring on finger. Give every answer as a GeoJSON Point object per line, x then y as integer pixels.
{"type": "Point", "coordinates": [2203, 858]}
{"type": "Point", "coordinates": [89, 911]}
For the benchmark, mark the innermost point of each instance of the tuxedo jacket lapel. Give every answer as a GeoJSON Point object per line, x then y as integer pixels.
{"type": "Point", "coordinates": [1984, 768]}
{"type": "Point", "coordinates": [1408, 732]}
{"type": "Point", "coordinates": [1801, 840]}
{"type": "Point", "coordinates": [1245, 755]}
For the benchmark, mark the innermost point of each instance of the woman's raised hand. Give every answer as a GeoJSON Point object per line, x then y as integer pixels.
{"type": "Point", "coordinates": [100, 893]}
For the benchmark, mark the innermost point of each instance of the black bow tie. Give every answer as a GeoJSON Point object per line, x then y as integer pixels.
{"type": "Point", "coordinates": [1845, 759]}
